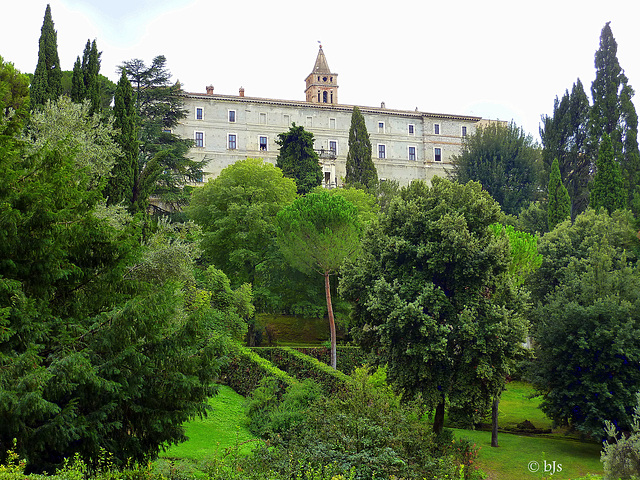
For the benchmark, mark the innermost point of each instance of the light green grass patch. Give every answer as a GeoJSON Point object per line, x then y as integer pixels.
{"type": "Point", "coordinates": [224, 427]}
{"type": "Point", "coordinates": [516, 406]}
{"type": "Point", "coordinates": [524, 457]}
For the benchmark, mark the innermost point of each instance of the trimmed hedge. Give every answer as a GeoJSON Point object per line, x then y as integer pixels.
{"type": "Point", "coordinates": [349, 358]}
{"type": "Point", "coordinates": [303, 366]}
{"type": "Point", "coordinates": [246, 368]}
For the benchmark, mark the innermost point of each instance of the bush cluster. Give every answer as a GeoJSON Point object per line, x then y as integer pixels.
{"type": "Point", "coordinates": [349, 358]}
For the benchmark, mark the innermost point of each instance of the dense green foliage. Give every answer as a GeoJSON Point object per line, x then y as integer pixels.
{"type": "Point", "coordinates": [47, 79]}
{"type": "Point", "coordinates": [163, 163]}
{"type": "Point", "coordinates": [621, 453]}
{"type": "Point", "coordinates": [585, 321]}
{"type": "Point", "coordinates": [432, 298]}
{"type": "Point", "coordinates": [120, 186]}
{"type": "Point", "coordinates": [613, 112]}
{"type": "Point", "coordinates": [85, 81]}
{"type": "Point", "coordinates": [237, 212]}
{"type": "Point", "coordinates": [298, 160]}
{"type": "Point", "coordinates": [607, 190]}
{"type": "Point", "coordinates": [363, 429]}
{"type": "Point", "coordinates": [559, 203]}
{"type": "Point", "coordinates": [504, 160]}
{"type": "Point", "coordinates": [14, 101]}
{"type": "Point", "coordinates": [360, 168]}
{"type": "Point", "coordinates": [316, 233]}
{"type": "Point", "coordinates": [565, 137]}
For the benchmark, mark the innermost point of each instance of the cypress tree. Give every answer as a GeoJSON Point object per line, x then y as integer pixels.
{"type": "Point", "coordinates": [123, 179]}
{"type": "Point", "coordinates": [607, 190]}
{"type": "Point", "coordinates": [91, 76]}
{"type": "Point", "coordinates": [559, 202]}
{"type": "Point", "coordinates": [613, 113]}
{"type": "Point", "coordinates": [47, 79]}
{"type": "Point", "coordinates": [298, 160]}
{"type": "Point", "coordinates": [360, 168]}
{"type": "Point", "coordinates": [77, 82]}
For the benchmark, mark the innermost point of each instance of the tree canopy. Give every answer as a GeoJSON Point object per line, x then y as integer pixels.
{"type": "Point", "coordinates": [559, 207]}
{"type": "Point", "coordinates": [316, 233]}
{"type": "Point", "coordinates": [607, 190]}
{"type": "Point", "coordinates": [298, 160]}
{"type": "Point", "coordinates": [47, 79]}
{"type": "Point", "coordinates": [431, 297]}
{"type": "Point", "coordinates": [585, 321]}
{"type": "Point", "coordinates": [360, 168]}
{"type": "Point", "coordinates": [237, 212]}
{"type": "Point", "coordinates": [504, 160]}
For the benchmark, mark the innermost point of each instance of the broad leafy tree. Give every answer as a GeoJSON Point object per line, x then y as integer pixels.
{"type": "Point", "coordinates": [298, 160]}
{"type": "Point", "coordinates": [360, 168]}
{"type": "Point", "coordinates": [432, 297]}
{"type": "Point", "coordinates": [565, 137]}
{"type": "Point", "coordinates": [613, 112]}
{"type": "Point", "coordinates": [124, 176]}
{"type": "Point", "coordinates": [47, 79]}
{"type": "Point", "coordinates": [237, 212]}
{"type": "Point", "coordinates": [586, 321]}
{"type": "Point", "coordinates": [559, 207]}
{"type": "Point", "coordinates": [607, 190]}
{"type": "Point", "coordinates": [164, 166]}
{"type": "Point", "coordinates": [14, 100]}
{"type": "Point", "coordinates": [317, 233]}
{"type": "Point", "coordinates": [504, 160]}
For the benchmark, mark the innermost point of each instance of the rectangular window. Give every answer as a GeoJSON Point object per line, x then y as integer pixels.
{"type": "Point", "coordinates": [232, 142]}
{"type": "Point", "coordinates": [333, 146]}
{"type": "Point", "coordinates": [382, 151]}
{"type": "Point", "coordinates": [199, 136]}
{"type": "Point", "coordinates": [263, 143]}
{"type": "Point", "coordinates": [263, 119]}
{"type": "Point", "coordinates": [286, 119]}
{"type": "Point", "coordinates": [380, 127]}
{"type": "Point", "coordinates": [232, 116]}
{"type": "Point", "coordinates": [332, 123]}
{"type": "Point", "coordinates": [412, 153]}
{"type": "Point", "coordinates": [199, 113]}
{"type": "Point", "coordinates": [437, 154]}
{"type": "Point", "coordinates": [309, 121]}
{"type": "Point", "coordinates": [411, 129]}
{"type": "Point", "coordinates": [464, 131]}
{"type": "Point", "coordinates": [436, 128]}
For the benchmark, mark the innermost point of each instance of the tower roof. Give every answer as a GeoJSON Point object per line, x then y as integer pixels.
{"type": "Point", "coordinates": [321, 65]}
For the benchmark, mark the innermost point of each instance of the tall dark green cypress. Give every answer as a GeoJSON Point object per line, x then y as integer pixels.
{"type": "Point", "coordinates": [120, 186]}
{"type": "Point", "coordinates": [91, 77]}
{"type": "Point", "coordinates": [77, 83]}
{"type": "Point", "coordinates": [47, 79]}
{"type": "Point", "coordinates": [360, 168]}
{"type": "Point", "coordinates": [607, 189]}
{"type": "Point", "coordinates": [559, 208]}
{"type": "Point", "coordinates": [613, 112]}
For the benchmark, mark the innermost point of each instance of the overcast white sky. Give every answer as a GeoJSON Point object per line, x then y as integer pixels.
{"type": "Point", "coordinates": [495, 59]}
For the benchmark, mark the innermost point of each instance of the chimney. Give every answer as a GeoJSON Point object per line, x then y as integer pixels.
{"type": "Point", "coordinates": [209, 89]}
{"type": "Point", "coordinates": [241, 92]}
{"type": "Point", "coordinates": [382, 105]}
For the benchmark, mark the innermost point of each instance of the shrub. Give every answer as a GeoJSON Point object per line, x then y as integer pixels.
{"type": "Point", "coordinates": [621, 458]}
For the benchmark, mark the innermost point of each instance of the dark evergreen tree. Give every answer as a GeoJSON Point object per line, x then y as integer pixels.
{"type": "Point", "coordinates": [77, 93]}
{"type": "Point", "coordinates": [607, 190]}
{"type": "Point", "coordinates": [47, 79]}
{"type": "Point", "coordinates": [163, 165]}
{"type": "Point", "coordinates": [505, 161]}
{"type": "Point", "coordinates": [559, 208]}
{"type": "Point", "coordinates": [613, 112]}
{"type": "Point", "coordinates": [298, 160]}
{"type": "Point", "coordinates": [120, 187]}
{"type": "Point", "coordinates": [565, 138]}
{"type": "Point", "coordinates": [91, 75]}
{"type": "Point", "coordinates": [360, 168]}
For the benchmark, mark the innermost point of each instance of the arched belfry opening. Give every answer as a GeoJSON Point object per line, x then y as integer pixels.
{"type": "Point", "coordinates": [322, 84]}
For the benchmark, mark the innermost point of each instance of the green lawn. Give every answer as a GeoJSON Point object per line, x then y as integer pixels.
{"type": "Point", "coordinates": [224, 427]}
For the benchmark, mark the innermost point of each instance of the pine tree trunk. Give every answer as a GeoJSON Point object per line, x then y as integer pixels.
{"type": "Point", "coordinates": [332, 325]}
{"type": "Point", "coordinates": [494, 421]}
{"type": "Point", "coordinates": [438, 420]}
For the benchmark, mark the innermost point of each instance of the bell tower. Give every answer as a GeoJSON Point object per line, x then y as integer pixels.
{"type": "Point", "coordinates": [322, 85]}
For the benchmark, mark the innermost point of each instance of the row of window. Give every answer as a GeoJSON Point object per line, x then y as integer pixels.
{"type": "Point", "coordinates": [232, 144]}
{"type": "Point", "coordinates": [332, 122]}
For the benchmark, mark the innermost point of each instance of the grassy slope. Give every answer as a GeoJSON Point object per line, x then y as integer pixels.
{"type": "Point", "coordinates": [225, 426]}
